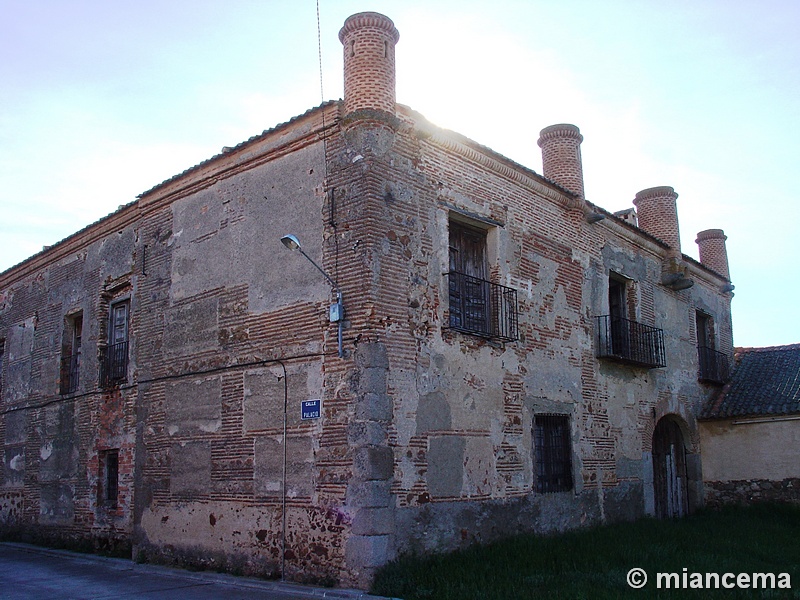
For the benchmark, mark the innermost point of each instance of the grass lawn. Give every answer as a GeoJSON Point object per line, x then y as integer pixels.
{"type": "Point", "coordinates": [594, 563]}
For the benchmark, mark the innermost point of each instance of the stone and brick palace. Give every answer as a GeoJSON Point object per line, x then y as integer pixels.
{"type": "Point", "coordinates": [486, 352]}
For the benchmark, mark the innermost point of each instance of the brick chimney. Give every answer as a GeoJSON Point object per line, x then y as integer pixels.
{"type": "Point", "coordinates": [561, 156]}
{"type": "Point", "coordinates": [657, 213]}
{"type": "Point", "coordinates": [369, 39]}
{"type": "Point", "coordinates": [713, 252]}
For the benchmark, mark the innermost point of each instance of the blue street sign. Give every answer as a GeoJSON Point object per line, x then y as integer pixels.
{"type": "Point", "coordinates": [310, 409]}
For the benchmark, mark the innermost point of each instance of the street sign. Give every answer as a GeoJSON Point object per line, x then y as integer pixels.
{"type": "Point", "coordinates": [310, 409]}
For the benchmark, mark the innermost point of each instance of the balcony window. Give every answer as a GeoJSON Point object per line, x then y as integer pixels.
{"type": "Point", "coordinates": [476, 305]}
{"type": "Point", "coordinates": [114, 356]}
{"type": "Point", "coordinates": [629, 342]}
{"type": "Point", "coordinates": [713, 365]}
{"type": "Point", "coordinates": [482, 308]}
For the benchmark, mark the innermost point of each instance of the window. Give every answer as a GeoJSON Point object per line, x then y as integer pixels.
{"type": "Point", "coordinates": [114, 357]}
{"type": "Point", "coordinates": [705, 333]}
{"type": "Point", "coordinates": [618, 311]}
{"type": "Point", "coordinates": [477, 306]}
{"type": "Point", "coordinates": [713, 365]}
{"type": "Point", "coordinates": [622, 339]}
{"type": "Point", "coordinates": [553, 451]}
{"type": "Point", "coordinates": [71, 353]}
{"type": "Point", "coordinates": [469, 300]}
{"type": "Point", "coordinates": [109, 478]}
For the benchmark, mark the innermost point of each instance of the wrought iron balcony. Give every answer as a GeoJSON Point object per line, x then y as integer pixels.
{"type": "Point", "coordinates": [630, 342]}
{"type": "Point", "coordinates": [482, 308]}
{"type": "Point", "coordinates": [714, 365]}
{"type": "Point", "coordinates": [113, 364]}
{"type": "Point", "coordinates": [70, 373]}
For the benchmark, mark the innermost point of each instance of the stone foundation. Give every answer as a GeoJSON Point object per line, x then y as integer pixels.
{"type": "Point", "coordinates": [751, 491]}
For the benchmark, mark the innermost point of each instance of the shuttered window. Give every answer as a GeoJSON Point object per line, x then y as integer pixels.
{"type": "Point", "coordinates": [469, 292]}
{"type": "Point", "coordinates": [553, 451]}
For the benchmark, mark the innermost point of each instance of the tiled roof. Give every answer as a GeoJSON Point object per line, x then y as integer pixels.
{"type": "Point", "coordinates": [765, 382]}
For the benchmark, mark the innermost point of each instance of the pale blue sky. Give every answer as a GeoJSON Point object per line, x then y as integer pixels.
{"type": "Point", "coordinates": [99, 101]}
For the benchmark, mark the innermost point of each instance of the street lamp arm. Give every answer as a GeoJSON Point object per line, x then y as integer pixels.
{"type": "Point", "coordinates": [324, 274]}
{"type": "Point", "coordinates": [336, 311]}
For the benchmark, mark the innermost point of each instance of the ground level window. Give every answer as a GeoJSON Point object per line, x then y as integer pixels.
{"type": "Point", "coordinates": [109, 478]}
{"type": "Point", "coordinates": [553, 453]}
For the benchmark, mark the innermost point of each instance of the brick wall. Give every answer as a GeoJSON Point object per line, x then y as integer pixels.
{"type": "Point", "coordinates": [713, 252]}
{"type": "Point", "coordinates": [657, 213]}
{"type": "Point", "coordinates": [561, 156]}
{"type": "Point", "coordinates": [51, 440]}
{"type": "Point", "coordinates": [369, 65]}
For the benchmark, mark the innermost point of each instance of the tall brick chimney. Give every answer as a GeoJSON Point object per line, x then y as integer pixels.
{"type": "Point", "coordinates": [713, 252]}
{"type": "Point", "coordinates": [561, 156]}
{"type": "Point", "coordinates": [657, 212]}
{"type": "Point", "coordinates": [369, 39]}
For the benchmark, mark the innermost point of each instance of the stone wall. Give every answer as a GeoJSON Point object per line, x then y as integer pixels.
{"type": "Point", "coordinates": [53, 437]}
{"type": "Point", "coordinates": [750, 491]}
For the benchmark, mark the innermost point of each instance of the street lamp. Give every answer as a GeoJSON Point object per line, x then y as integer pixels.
{"type": "Point", "coordinates": [336, 311]}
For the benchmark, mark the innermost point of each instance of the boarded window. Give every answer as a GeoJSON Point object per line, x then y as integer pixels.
{"type": "Point", "coordinates": [553, 453]}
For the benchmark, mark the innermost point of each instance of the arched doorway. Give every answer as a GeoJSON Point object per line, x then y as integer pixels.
{"type": "Point", "coordinates": [670, 482]}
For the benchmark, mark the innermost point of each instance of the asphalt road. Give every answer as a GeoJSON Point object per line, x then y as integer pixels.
{"type": "Point", "coordinates": [33, 573]}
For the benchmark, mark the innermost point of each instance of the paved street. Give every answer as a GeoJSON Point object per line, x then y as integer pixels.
{"type": "Point", "coordinates": [32, 573]}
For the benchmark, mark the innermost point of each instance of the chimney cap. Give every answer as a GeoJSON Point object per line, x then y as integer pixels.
{"type": "Point", "coordinates": [655, 192]}
{"type": "Point", "coordinates": [560, 130]}
{"type": "Point", "coordinates": [369, 19]}
{"type": "Point", "coordinates": [711, 234]}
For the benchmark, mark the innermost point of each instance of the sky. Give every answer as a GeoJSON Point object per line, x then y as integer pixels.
{"type": "Point", "coordinates": [100, 101]}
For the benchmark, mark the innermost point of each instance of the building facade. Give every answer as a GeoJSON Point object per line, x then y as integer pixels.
{"type": "Point", "coordinates": [489, 352]}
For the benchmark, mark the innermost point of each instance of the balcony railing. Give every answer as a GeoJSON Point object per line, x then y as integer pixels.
{"type": "Point", "coordinates": [70, 373]}
{"type": "Point", "coordinates": [630, 342]}
{"type": "Point", "coordinates": [714, 366]}
{"type": "Point", "coordinates": [113, 364]}
{"type": "Point", "coordinates": [483, 308]}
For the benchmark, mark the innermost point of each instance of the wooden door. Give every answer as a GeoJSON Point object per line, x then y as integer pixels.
{"type": "Point", "coordinates": [669, 470]}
